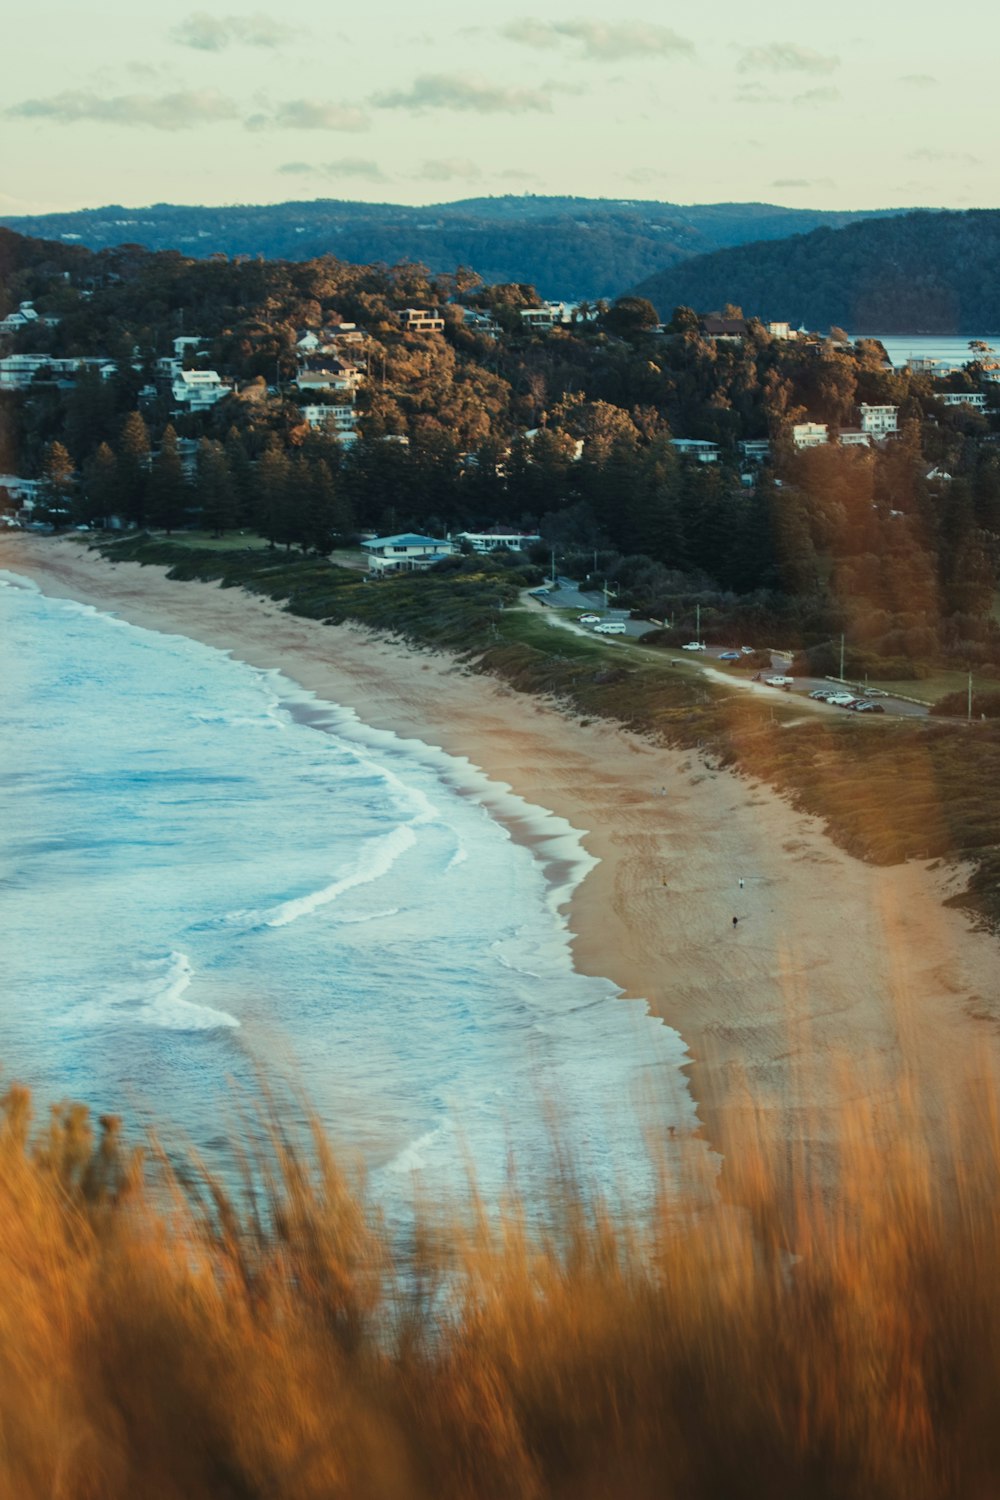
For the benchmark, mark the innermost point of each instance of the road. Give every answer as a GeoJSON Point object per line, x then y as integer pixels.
{"type": "Point", "coordinates": [568, 596]}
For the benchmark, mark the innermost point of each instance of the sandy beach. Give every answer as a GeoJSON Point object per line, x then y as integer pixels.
{"type": "Point", "coordinates": [840, 981]}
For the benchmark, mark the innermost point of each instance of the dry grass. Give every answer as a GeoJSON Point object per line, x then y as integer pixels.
{"type": "Point", "coordinates": [161, 1342]}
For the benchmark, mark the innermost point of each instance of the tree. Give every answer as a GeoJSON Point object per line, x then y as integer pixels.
{"type": "Point", "coordinates": [630, 316]}
{"type": "Point", "coordinates": [168, 487]}
{"type": "Point", "coordinates": [98, 496]}
{"type": "Point", "coordinates": [215, 488]}
{"type": "Point", "coordinates": [133, 468]}
{"type": "Point", "coordinates": [56, 491]}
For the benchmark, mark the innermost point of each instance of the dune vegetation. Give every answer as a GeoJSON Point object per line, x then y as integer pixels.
{"type": "Point", "coordinates": [167, 1334]}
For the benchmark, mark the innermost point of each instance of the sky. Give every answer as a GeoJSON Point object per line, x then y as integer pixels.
{"type": "Point", "coordinates": [856, 106]}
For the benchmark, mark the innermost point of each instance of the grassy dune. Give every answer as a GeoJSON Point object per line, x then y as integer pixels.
{"type": "Point", "coordinates": [166, 1341]}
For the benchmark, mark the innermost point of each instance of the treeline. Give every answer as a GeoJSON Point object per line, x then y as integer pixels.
{"type": "Point", "coordinates": [567, 247]}
{"type": "Point", "coordinates": [925, 272]}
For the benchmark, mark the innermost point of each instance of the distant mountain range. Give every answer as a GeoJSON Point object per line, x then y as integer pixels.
{"type": "Point", "coordinates": [566, 247]}
{"type": "Point", "coordinates": [926, 272]}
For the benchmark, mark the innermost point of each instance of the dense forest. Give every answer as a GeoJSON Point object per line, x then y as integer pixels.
{"type": "Point", "coordinates": [566, 247]}
{"type": "Point", "coordinates": [569, 431]}
{"type": "Point", "coordinates": [925, 272]}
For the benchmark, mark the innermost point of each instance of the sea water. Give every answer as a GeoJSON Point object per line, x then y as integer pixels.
{"type": "Point", "coordinates": [205, 871]}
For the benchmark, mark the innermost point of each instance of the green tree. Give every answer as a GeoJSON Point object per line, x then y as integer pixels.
{"type": "Point", "coordinates": [215, 488]}
{"type": "Point", "coordinates": [97, 499]}
{"type": "Point", "coordinates": [55, 496]}
{"type": "Point", "coordinates": [168, 488]}
{"type": "Point", "coordinates": [133, 468]}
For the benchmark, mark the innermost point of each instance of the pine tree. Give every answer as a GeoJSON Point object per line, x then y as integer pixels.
{"type": "Point", "coordinates": [99, 492]}
{"type": "Point", "coordinates": [168, 488]}
{"type": "Point", "coordinates": [272, 497]}
{"type": "Point", "coordinates": [56, 492]}
{"type": "Point", "coordinates": [215, 488]}
{"type": "Point", "coordinates": [133, 468]}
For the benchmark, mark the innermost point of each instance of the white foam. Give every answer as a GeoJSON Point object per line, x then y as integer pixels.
{"type": "Point", "coordinates": [158, 1000]}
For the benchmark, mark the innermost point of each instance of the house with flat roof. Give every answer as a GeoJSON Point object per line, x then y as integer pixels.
{"type": "Point", "coordinates": [810, 434]}
{"type": "Point", "coordinates": [198, 389]}
{"type": "Point", "coordinates": [421, 320]}
{"type": "Point", "coordinates": [697, 448]}
{"type": "Point", "coordinates": [498, 539]}
{"type": "Point", "coordinates": [974, 399]}
{"type": "Point", "coordinates": [406, 553]}
{"type": "Point", "coordinates": [879, 421]}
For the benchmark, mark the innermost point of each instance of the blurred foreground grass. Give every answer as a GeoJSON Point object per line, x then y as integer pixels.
{"type": "Point", "coordinates": [165, 1338]}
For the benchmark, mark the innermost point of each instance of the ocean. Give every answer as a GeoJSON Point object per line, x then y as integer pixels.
{"type": "Point", "coordinates": [951, 348]}
{"type": "Point", "coordinates": [204, 871]}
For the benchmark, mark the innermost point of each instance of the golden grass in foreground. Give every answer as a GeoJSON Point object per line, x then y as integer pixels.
{"type": "Point", "coordinates": [156, 1343]}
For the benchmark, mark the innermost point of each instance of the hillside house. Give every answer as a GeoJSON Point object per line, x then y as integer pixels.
{"type": "Point", "coordinates": [810, 434]}
{"type": "Point", "coordinates": [974, 399]}
{"type": "Point", "coordinates": [755, 450]}
{"type": "Point", "coordinates": [24, 317]}
{"type": "Point", "coordinates": [854, 437]}
{"type": "Point", "coordinates": [421, 320]}
{"type": "Point", "coordinates": [724, 330]}
{"type": "Point", "coordinates": [340, 422]}
{"type": "Point", "coordinates": [879, 421]}
{"type": "Point", "coordinates": [198, 389]}
{"type": "Point", "coordinates": [405, 553]}
{"type": "Point", "coordinates": [697, 448]}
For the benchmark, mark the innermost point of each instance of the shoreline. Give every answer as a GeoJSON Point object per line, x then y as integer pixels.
{"type": "Point", "coordinates": [842, 980]}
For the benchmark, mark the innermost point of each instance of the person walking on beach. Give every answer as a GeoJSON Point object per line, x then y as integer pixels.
{"type": "Point", "coordinates": [741, 882]}
{"type": "Point", "coordinates": [735, 921]}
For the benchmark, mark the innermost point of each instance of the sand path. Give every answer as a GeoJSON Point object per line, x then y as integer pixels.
{"type": "Point", "coordinates": [840, 980]}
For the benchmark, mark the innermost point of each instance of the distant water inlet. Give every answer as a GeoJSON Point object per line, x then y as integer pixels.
{"type": "Point", "coordinates": [203, 869]}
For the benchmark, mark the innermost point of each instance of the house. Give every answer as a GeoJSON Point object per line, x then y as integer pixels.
{"type": "Point", "coordinates": [698, 449]}
{"type": "Point", "coordinates": [18, 371]}
{"type": "Point", "coordinates": [810, 434]}
{"type": "Point", "coordinates": [340, 422]}
{"type": "Point", "coordinates": [20, 493]}
{"type": "Point", "coordinates": [941, 475]}
{"type": "Point", "coordinates": [755, 450]}
{"type": "Point", "coordinates": [538, 318]}
{"type": "Point", "coordinates": [25, 317]}
{"type": "Point", "coordinates": [498, 539]}
{"type": "Point", "coordinates": [781, 330]}
{"type": "Point", "coordinates": [975, 399]}
{"type": "Point", "coordinates": [724, 330]}
{"type": "Point", "coordinates": [879, 421]}
{"type": "Point", "coordinates": [854, 437]}
{"type": "Point", "coordinates": [198, 389]}
{"type": "Point", "coordinates": [421, 320]}
{"type": "Point", "coordinates": [325, 372]}
{"type": "Point", "coordinates": [406, 553]}
{"type": "Point", "coordinates": [477, 321]}
{"type": "Point", "coordinates": [186, 341]}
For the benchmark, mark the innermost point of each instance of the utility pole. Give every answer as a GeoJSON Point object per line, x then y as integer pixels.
{"type": "Point", "coordinates": [697, 623]}
{"type": "Point", "coordinates": [969, 713]}
{"type": "Point", "coordinates": [553, 579]}
{"type": "Point", "coordinates": [841, 656]}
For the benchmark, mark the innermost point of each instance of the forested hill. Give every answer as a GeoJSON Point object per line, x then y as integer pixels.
{"type": "Point", "coordinates": [566, 247]}
{"type": "Point", "coordinates": [925, 272]}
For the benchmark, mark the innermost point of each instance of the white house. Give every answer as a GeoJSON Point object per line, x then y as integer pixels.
{"type": "Point", "coordinates": [22, 492]}
{"type": "Point", "coordinates": [17, 371]}
{"type": "Point", "coordinates": [975, 399]}
{"type": "Point", "coordinates": [810, 434]}
{"type": "Point", "coordinates": [198, 389]}
{"type": "Point", "coordinates": [780, 330]}
{"type": "Point", "coordinates": [421, 320]}
{"type": "Point", "coordinates": [879, 421]}
{"type": "Point", "coordinates": [25, 317]}
{"type": "Point", "coordinates": [498, 539]}
{"type": "Point", "coordinates": [537, 317]}
{"type": "Point", "coordinates": [320, 372]}
{"type": "Point", "coordinates": [853, 437]}
{"type": "Point", "coordinates": [340, 422]}
{"type": "Point", "coordinates": [477, 321]}
{"type": "Point", "coordinates": [697, 448]}
{"type": "Point", "coordinates": [406, 553]}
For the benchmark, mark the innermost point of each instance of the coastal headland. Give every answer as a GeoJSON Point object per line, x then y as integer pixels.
{"type": "Point", "coordinates": [839, 982]}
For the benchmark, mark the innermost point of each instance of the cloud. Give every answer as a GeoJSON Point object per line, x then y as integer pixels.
{"type": "Point", "coordinates": [815, 98]}
{"type": "Point", "coordinates": [755, 93]}
{"type": "Point", "coordinates": [215, 33]}
{"type": "Point", "coordinates": [601, 40]}
{"type": "Point", "coordinates": [516, 174]}
{"type": "Point", "coordinates": [919, 80]}
{"type": "Point", "coordinates": [924, 154]}
{"type": "Point", "coordinates": [644, 175]}
{"type": "Point", "coordinates": [179, 111]}
{"type": "Point", "coordinates": [465, 92]}
{"type": "Point", "coordinates": [785, 57]}
{"type": "Point", "coordinates": [344, 166]}
{"type": "Point", "coordinates": [447, 169]}
{"type": "Point", "coordinates": [803, 182]}
{"type": "Point", "coordinates": [311, 114]}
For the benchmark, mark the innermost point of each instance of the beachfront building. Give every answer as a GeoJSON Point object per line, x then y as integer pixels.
{"type": "Point", "coordinates": [198, 389]}
{"type": "Point", "coordinates": [879, 421]}
{"type": "Point", "coordinates": [498, 539]}
{"type": "Point", "coordinates": [697, 448]}
{"type": "Point", "coordinates": [18, 495]}
{"type": "Point", "coordinates": [406, 553]}
{"type": "Point", "coordinates": [421, 320]}
{"type": "Point", "coordinates": [810, 434]}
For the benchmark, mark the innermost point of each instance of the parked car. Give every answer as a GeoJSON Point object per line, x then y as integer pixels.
{"type": "Point", "coordinates": [694, 646]}
{"type": "Point", "coordinates": [588, 619]}
{"type": "Point", "coordinates": [729, 656]}
{"type": "Point", "coordinates": [841, 700]}
{"type": "Point", "coordinates": [821, 694]}
{"type": "Point", "coordinates": [779, 681]}
{"type": "Point", "coordinates": [747, 650]}
{"type": "Point", "coordinates": [869, 708]}
{"type": "Point", "coordinates": [610, 627]}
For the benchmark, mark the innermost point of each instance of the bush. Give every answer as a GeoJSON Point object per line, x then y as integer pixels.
{"type": "Point", "coordinates": [956, 705]}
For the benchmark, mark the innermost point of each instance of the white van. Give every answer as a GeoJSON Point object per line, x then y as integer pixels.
{"type": "Point", "coordinates": [610, 627]}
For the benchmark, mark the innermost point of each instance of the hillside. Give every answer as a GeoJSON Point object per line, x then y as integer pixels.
{"type": "Point", "coordinates": [924, 272]}
{"type": "Point", "coordinates": [566, 247]}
